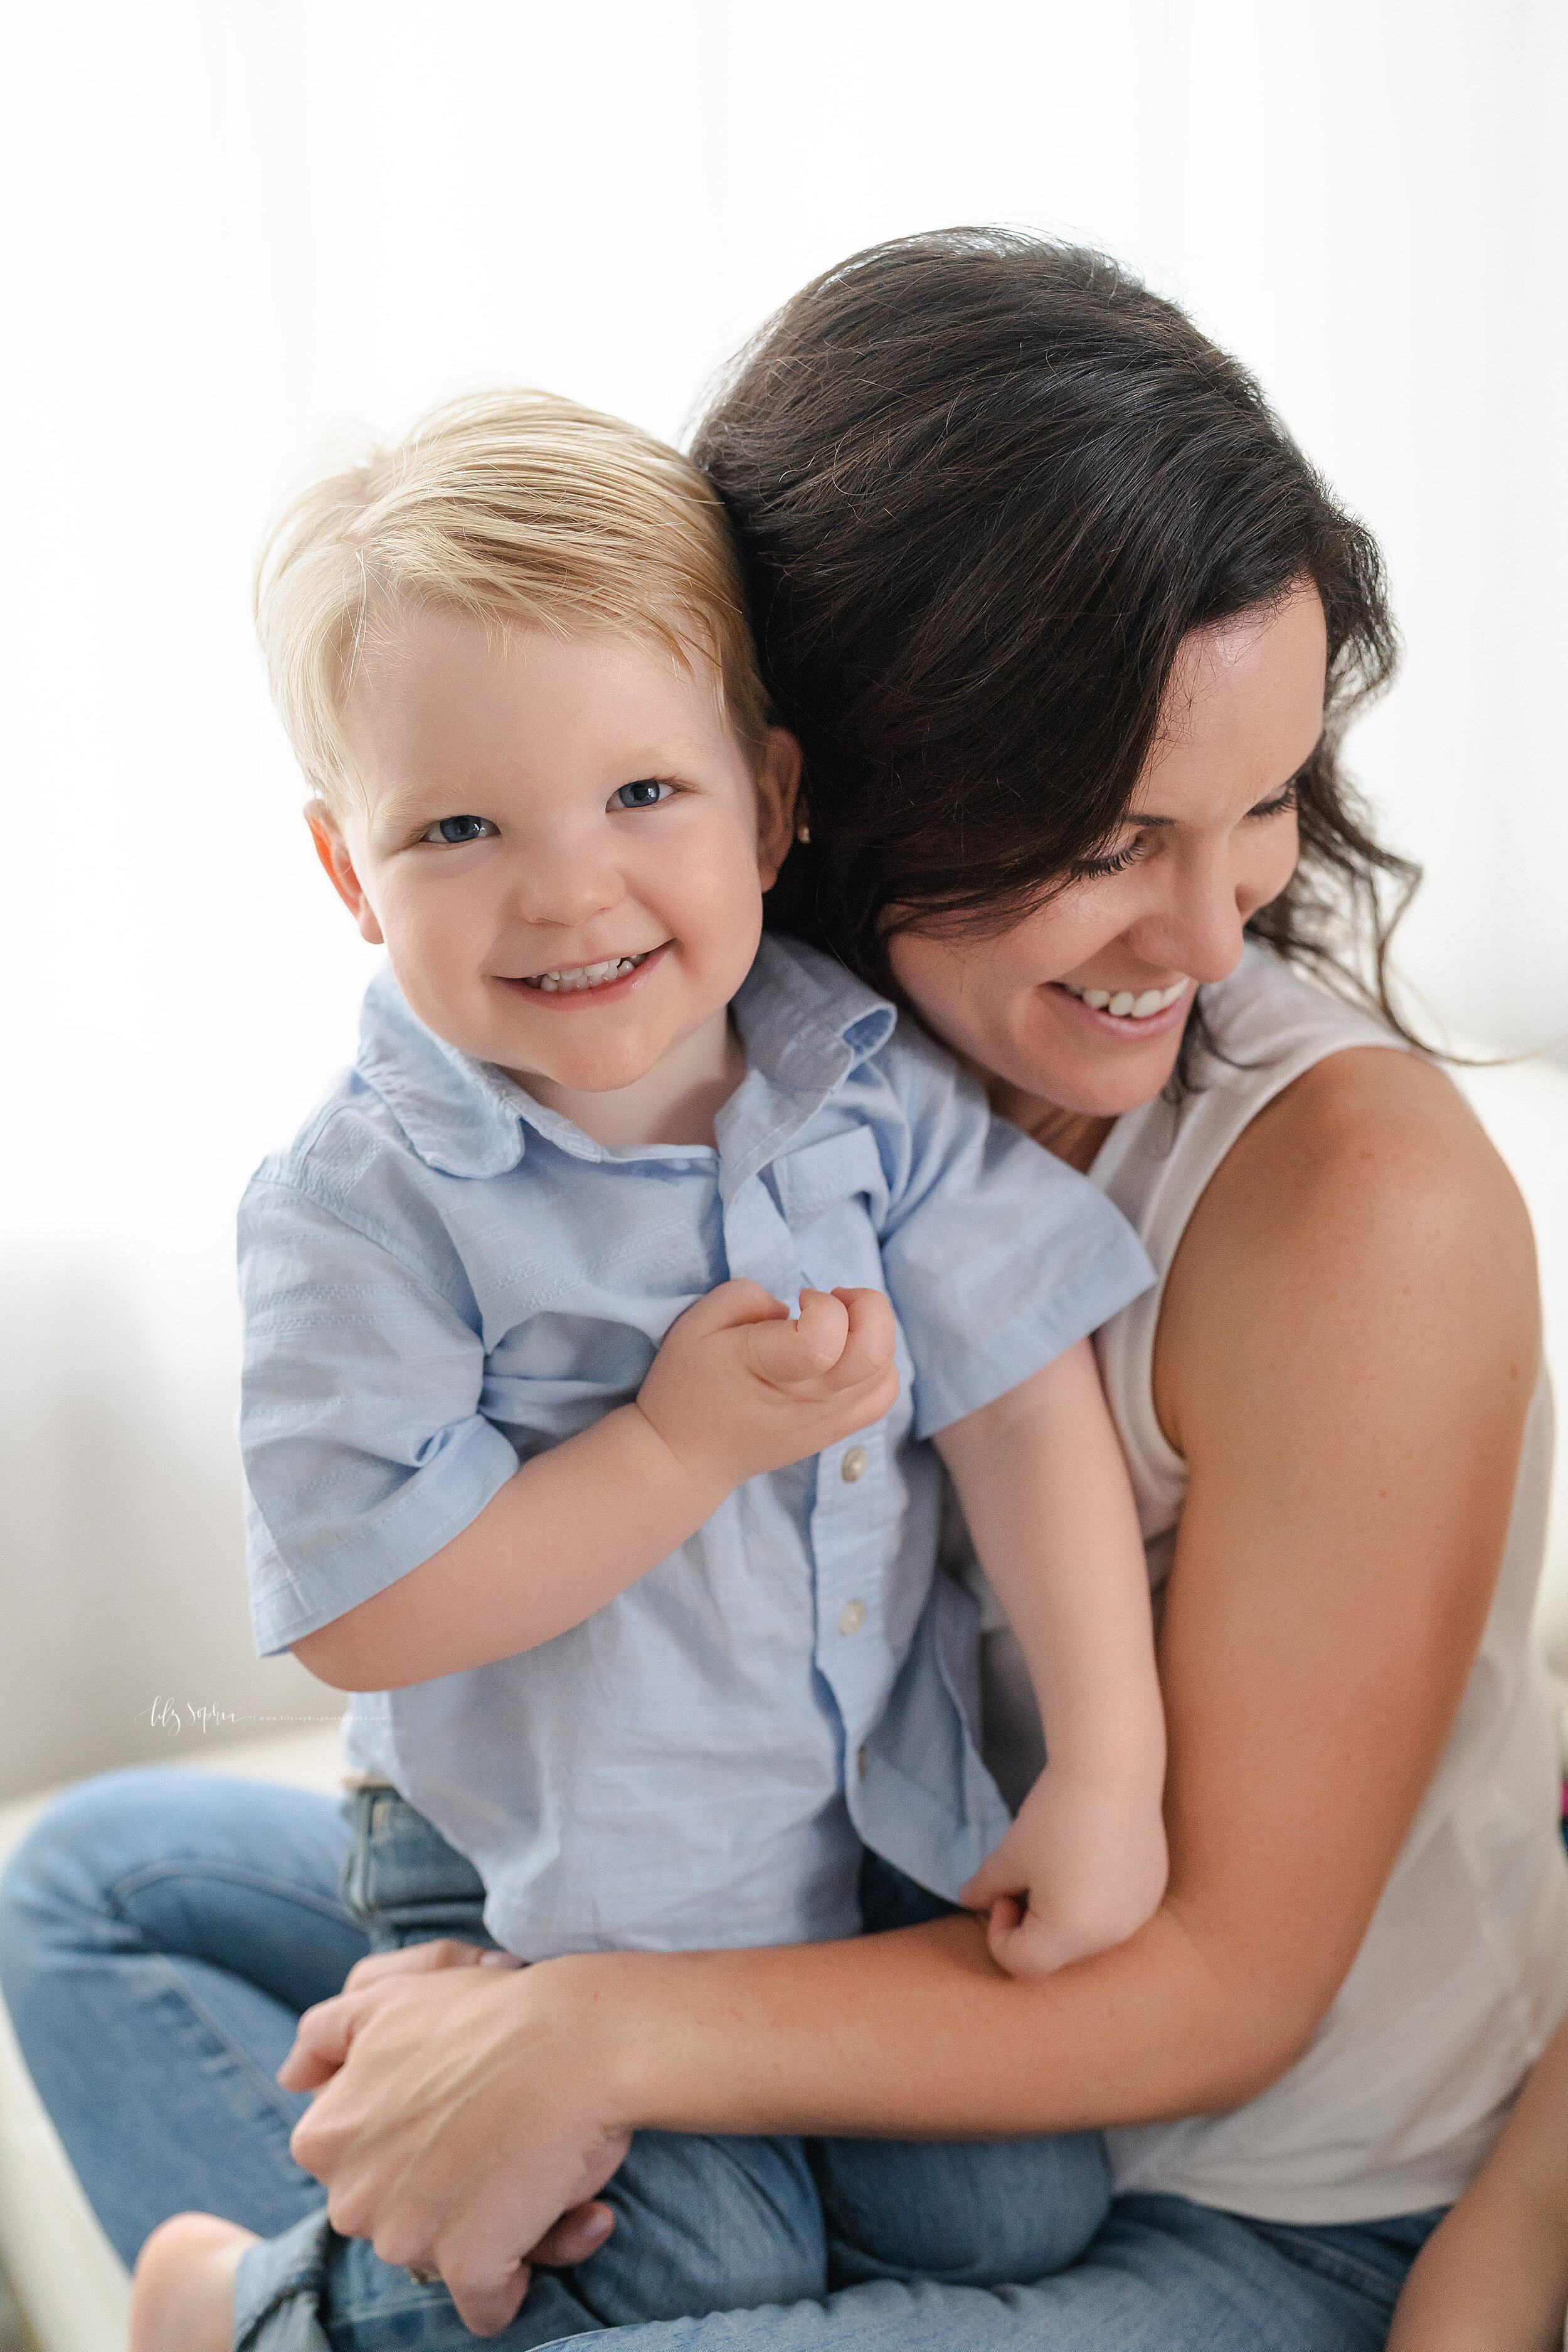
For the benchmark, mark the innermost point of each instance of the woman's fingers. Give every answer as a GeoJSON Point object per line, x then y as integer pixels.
{"type": "Point", "coordinates": [486, 2303]}
{"type": "Point", "coordinates": [322, 2042]}
{"type": "Point", "coordinates": [418, 1959]}
{"type": "Point", "coordinates": [486, 2306]}
{"type": "Point", "coordinates": [576, 2236]}
{"type": "Point", "coordinates": [473, 2258]}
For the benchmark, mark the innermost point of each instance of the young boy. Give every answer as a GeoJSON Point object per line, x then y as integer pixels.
{"type": "Point", "coordinates": [593, 1323]}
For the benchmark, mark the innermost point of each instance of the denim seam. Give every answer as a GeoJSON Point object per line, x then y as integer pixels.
{"type": "Point", "coordinates": [1331, 2263]}
{"type": "Point", "coordinates": [306, 2281]}
{"type": "Point", "coordinates": [233, 1874]}
{"type": "Point", "coordinates": [231, 2049]}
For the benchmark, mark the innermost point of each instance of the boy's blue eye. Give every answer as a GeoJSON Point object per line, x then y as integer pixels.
{"type": "Point", "coordinates": [460, 828]}
{"type": "Point", "coordinates": [644, 794]}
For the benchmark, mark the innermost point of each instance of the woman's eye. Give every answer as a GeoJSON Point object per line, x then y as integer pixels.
{"type": "Point", "coordinates": [459, 828]}
{"type": "Point", "coordinates": [1116, 861]}
{"type": "Point", "coordinates": [645, 795]}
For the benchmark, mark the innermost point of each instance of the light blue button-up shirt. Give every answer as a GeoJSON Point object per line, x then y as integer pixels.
{"type": "Point", "coordinates": [440, 1277]}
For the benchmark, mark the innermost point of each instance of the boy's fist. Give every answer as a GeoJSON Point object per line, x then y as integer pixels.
{"type": "Point", "coordinates": [739, 1387]}
{"type": "Point", "coordinates": [1082, 1867]}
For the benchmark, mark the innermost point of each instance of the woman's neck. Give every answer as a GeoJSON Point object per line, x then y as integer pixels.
{"type": "Point", "coordinates": [1074, 1136]}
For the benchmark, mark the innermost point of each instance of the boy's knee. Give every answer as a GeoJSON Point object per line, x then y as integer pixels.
{"type": "Point", "coordinates": [703, 2225]}
{"type": "Point", "coordinates": [985, 2213]}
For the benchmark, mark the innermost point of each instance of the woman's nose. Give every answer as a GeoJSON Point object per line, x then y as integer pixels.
{"type": "Point", "coordinates": [1197, 923]}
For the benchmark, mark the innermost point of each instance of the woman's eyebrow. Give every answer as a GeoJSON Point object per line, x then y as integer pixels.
{"type": "Point", "coordinates": [1138, 817]}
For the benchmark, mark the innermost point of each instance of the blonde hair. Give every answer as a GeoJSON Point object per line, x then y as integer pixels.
{"type": "Point", "coordinates": [513, 506]}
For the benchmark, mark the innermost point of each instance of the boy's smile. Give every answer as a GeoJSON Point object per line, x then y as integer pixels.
{"type": "Point", "coordinates": [592, 978]}
{"type": "Point", "coordinates": [563, 845]}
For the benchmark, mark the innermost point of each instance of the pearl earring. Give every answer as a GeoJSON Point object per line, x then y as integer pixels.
{"type": "Point", "coordinates": [802, 833]}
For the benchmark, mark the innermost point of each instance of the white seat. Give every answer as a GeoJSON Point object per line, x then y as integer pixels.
{"type": "Point", "coordinates": [70, 2280]}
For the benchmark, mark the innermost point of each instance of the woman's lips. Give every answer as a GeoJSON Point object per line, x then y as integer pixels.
{"type": "Point", "coordinates": [1123, 1026]}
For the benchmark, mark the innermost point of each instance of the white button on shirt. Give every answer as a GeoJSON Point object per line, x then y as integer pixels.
{"type": "Point", "coordinates": [440, 1277]}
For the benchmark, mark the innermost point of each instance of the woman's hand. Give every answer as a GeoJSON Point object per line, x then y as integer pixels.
{"type": "Point", "coordinates": [421, 1960]}
{"type": "Point", "coordinates": [451, 2126]}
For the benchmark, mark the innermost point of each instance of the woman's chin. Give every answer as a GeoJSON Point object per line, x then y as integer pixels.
{"type": "Point", "coordinates": [1082, 1069]}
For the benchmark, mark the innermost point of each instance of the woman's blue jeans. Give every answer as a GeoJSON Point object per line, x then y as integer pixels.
{"type": "Point", "coordinates": [159, 1934]}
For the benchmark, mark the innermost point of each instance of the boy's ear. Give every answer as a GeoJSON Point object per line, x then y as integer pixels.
{"type": "Point", "coordinates": [334, 852]}
{"type": "Point", "coordinates": [778, 788]}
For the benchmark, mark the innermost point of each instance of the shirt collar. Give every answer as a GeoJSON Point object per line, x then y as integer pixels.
{"type": "Point", "coordinates": [806, 1023]}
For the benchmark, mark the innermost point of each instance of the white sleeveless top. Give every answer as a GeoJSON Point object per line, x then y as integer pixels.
{"type": "Point", "coordinates": [1464, 1969]}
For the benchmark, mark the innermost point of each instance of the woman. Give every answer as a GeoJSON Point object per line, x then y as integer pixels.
{"type": "Point", "coordinates": [1068, 632]}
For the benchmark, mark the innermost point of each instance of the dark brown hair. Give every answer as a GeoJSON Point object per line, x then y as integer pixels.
{"type": "Point", "coordinates": [984, 486]}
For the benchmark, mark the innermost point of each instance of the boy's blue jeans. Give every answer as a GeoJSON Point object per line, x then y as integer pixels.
{"type": "Point", "coordinates": [702, 2224]}
{"type": "Point", "coordinates": [160, 1933]}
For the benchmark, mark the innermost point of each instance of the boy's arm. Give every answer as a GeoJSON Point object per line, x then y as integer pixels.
{"type": "Point", "coordinates": [736, 1389]}
{"type": "Point", "coordinates": [1493, 2276]}
{"type": "Point", "coordinates": [1045, 1491]}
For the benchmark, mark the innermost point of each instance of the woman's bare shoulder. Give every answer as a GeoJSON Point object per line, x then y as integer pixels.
{"type": "Point", "coordinates": [1368, 1184]}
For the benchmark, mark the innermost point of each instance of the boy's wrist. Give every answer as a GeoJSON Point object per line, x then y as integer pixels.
{"type": "Point", "coordinates": [696, 1487]}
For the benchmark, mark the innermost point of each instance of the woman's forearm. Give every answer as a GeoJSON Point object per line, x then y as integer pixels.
{"type": "Point", "coordinates": [919, 2034]}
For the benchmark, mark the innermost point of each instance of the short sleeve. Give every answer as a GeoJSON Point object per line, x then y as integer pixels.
{"type": "Point", "coordinates": [364, 1446]}
{"type": "Point", "coordinates": [998, 1257]}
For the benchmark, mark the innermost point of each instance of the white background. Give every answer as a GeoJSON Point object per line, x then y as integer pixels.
{"type": "Point", "coordinates": [237, 227]}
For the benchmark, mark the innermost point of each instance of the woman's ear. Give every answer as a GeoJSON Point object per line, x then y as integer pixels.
{"type": "Point", "coordinates": [778, 790]}
{"type": "Point", "coordinates": [334, 852]}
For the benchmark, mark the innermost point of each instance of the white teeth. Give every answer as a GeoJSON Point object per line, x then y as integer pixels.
{"type": "Point", "coordinates": [1124, 1004]}
{"type": "Point", "coordinates": [586, 975]}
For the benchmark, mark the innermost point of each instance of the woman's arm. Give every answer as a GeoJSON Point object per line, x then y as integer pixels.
{"type": "Point", "coordinates": [1493, 2276]}
{"type": "Point", "coordinates": [1348, 1346]}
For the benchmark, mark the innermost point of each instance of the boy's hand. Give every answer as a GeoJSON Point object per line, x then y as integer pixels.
{"type": "Point", "coordinates": [1082, 1867]}
{"type": "Point", "coordinates": [739, 1389]}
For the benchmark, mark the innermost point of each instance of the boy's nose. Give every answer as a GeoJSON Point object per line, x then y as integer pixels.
{"type": "Point", "coordinates": [553, 888]}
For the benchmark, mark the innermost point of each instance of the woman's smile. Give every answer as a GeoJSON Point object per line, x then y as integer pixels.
{"type": "Point", "coordinates": [1144, 1014]}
